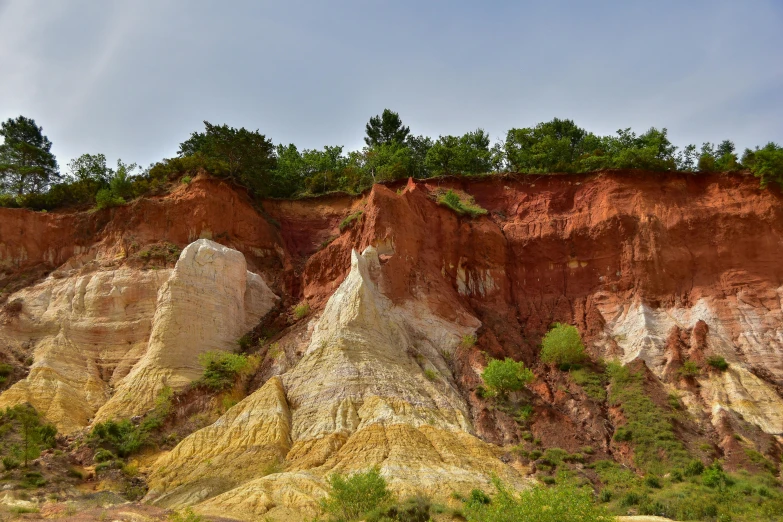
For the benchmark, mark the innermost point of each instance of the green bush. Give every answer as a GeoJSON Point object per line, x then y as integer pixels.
{"type": "Point", "coordinates": [718, 362]}
{"type": "Point", "coordinates": [10, 463]}
{"type": "Point", "coordinates": [690, 369]}
{"type": "Point", "coordinates": [507, 375]}
{"type": "Point", "coordinates": [350, 498]}
{"type": "Point", "coordinates": [186, 515]}
{"type": "Point", "coordinates": [103, 455]}
{"type": "Point", "coordinates": [105, 198]}
{"type": "Point", "coordinates": [460, 204]}
{"type": "Point", "coordinates": [562, 345]}
{"type": "Point", "coordinates": [694, 468]}
{"type": "Point", "coordinates": [349, 221]}
{"type": "Point", "coordinates": [594, 384]}
{"type": "Point", "coordinates": [221, 369]}
{"type": "Point", "coordinates": [301, 310]}
{"type": "Point", "coordinates": [538, 504]}
{"type": "Point", "coordinates": [715, 477]}
{"type": "Point", "coordinates": [125, 437]}
{"type": "Point", "coordinates": [468, 341]}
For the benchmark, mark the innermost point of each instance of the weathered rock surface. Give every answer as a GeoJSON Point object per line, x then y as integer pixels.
{"type": "Point", "coordinates": [359, 398]}
{"type": "Point", "coordinates": [209, 301]}
{"type": "Point", "coordinates": [86, 333]}
{"type": "Point", "coordinates": [661, 268]}
{"type": "Point", "coordinates": [107, 342]}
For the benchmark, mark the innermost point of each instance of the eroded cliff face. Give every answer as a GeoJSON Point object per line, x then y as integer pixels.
{"type": "Point", "coordinates": [657, 269]}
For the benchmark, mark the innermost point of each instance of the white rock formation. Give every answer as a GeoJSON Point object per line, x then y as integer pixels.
{"type": "Point", "coordinates": [129, 330]}
{"type": "Point", "coordinates": [209, 301]}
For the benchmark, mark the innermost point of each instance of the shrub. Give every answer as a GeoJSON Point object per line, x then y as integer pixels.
{"type": "Point", "coordinates": [460, 204]}
{"type": "Point", "coordinates": [652, 481]}
{"type": "Point", "coordinates": [352, 497]}
{"type": "Point", "coordinates": [468, 341]}
{"type": "Point", "coordinates": [538, 504]}
{"type": "Point", "coordinates": [507, 375]}
{"type": "Point", "coordinates": [562, 345]}
{"type": "Point", "coordinates": [715, 477]}
{"type": "Point", "coordinates": [10, 463]}
{"type": "Point", "coordinates": [221, 369]}
{"type": "Point", "coordinates": [594, 384]}
{"type": "Point", "coordinates": [718, 362]}
{"type": "Point", "coordinates": [431, 375]}
{"type": "Point", "coordinates": [301, 310]}
{"type": "Point", "coordinates": [104, 455]}
{"type": "Point", "coordinates": [478, 497]}
{"type": "Point", "coordinates": [186, 180]}
{"type": "Point", "coordinates": [415, 509]}
{"type": "Point", "coordinates": [694, 467]}
{"type": "Point", "coordinates": [350, 220]}
{"type": "Point", "coordinates": [689, 369]}
{"type": "Point", "coordinates": [105, 198]}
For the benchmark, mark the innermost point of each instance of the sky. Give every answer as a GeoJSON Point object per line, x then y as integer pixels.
{"type": "Point", "coordinates": [133, 79]}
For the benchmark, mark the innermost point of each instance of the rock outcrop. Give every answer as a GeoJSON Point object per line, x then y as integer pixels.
{"type": "Point", "coordinates": [373, 388]}
{"type": "Point", "coordinates": [660, 269]}
{"type": "Point", "coordinates": [106, 343]}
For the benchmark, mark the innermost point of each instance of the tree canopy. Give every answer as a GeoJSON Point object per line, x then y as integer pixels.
{"type": "Point", "coordinates": [29, 175]}
{"type": "Point", "coordinates": [27, 165]}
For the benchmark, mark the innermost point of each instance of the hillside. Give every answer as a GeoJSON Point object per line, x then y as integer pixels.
{"type": "Point", "coordinates": [368, 321]}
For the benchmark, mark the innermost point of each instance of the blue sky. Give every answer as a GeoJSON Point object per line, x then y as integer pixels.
{"type": "Point", "coordinates": [133, 79]}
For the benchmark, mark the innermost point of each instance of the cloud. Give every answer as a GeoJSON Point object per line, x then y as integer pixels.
{"type": "Point", "coordinates": [132, 80]}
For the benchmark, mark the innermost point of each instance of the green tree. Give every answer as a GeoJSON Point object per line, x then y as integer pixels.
{"type": "Point", "coordinates": [506, 376]}
{"type": "Point", "coordinates": [552, 146]}
{"type": "Point", "coordinates": [27, 165]}
{"type": "Point", "coordinates": [562, 345]}
{"type": "Point", "coordinates": [246, 157]}
{"type": "Point", "coordinates": [386, 128]}
{"type": "Point", "coordinates": [34, 435]}
{"type": "Point", "coordinates": [765, 163]}
{"type": "Point", "coordinates": [466, 154]}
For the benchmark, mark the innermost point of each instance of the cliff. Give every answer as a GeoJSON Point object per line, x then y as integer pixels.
{"type": "Point", "coordinates": [654, 270]}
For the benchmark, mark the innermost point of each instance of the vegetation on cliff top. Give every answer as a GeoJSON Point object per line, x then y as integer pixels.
{"type": "Point", "coordinates": [30, 177]}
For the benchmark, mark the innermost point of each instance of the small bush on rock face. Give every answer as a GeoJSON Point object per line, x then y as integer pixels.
{"type": "Point", "coordinates": [562, 345]}
{"type": "Point", "coordinates": [460, 204]}
{"type": "Point", "coordinates": [221, 369]}
{"type": "Point", "coordinates": [718, 362]}
{"type": "Point", "coordinates": [507, 375]}
{"type": "Point", "coordinates": [350, 498]}
{"type": "Point", "coordinates": [301, 310]}
{"type": "Point", "coordinates": [689, 369]}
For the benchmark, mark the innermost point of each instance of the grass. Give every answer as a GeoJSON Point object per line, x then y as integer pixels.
{"type": "Point", "coordinates": [431, 375]}
{"type": "Point", "coordinates": [468, 341]}
{"type": "Point", "coordinates": [648, 428]}
{"type": "Point", "coordinates": [461, 203]}
{"type": "Point", "coordinates": [594, 384]}
{"type": "Point", "coordinates": [350, 220]}
{"type": "Point", "coordinates": [301, 310]}
{"type": "Point", "coordinates": [690, 369]}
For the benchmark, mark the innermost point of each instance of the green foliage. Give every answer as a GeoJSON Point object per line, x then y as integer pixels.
{"type": "Point", "coordinates": [10, 463]}
{"type": "Point", "coordinates": [506, 376]}
{"type": "Point", "coordinates": [245, 157]}
{"type": "Point", "coordinates": [689, 369]}
{"type": "Point", "coordinates": [467, 154]}
{"type": "Point", "coordinates": [718, 362]}
{"type": "Point", "coordinates": [385, 129]}
{"type": "Point", "coordinates": [648, 428]}
{"type": "Point", "coordinates": [694, 468]}
{"type": "Point", "coordinates": [562, 345]}
{"type": "Point", "coordinates": [594, 384]}
{"type": "Point", "coordinates": [460, 203]}
{"type": "Point", "coordinates": [123, 436]}
{"type": "Point", "coordinates": [431, 375]}
{"type": "Point", "coordinates": [349, 221]}
{"type": "Point", "coordinates": [301, 310]}
{"type": "Point", "coordinates": [350, 498]}
{"type": "Point", "coordinates": [468, 341]}
{"type": "Point", "coordinates": [220, 369]}
{"type": "Point", "coordinates": [765, 163]}
{"type": "Point", "coordinates": [34, 435]}
{"type": "Point", "coordinates": [538, 504]}
{"type": "Point", "coordinates": [27, 165]}
{"type": "Point", "coordinates": [414, 509]}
